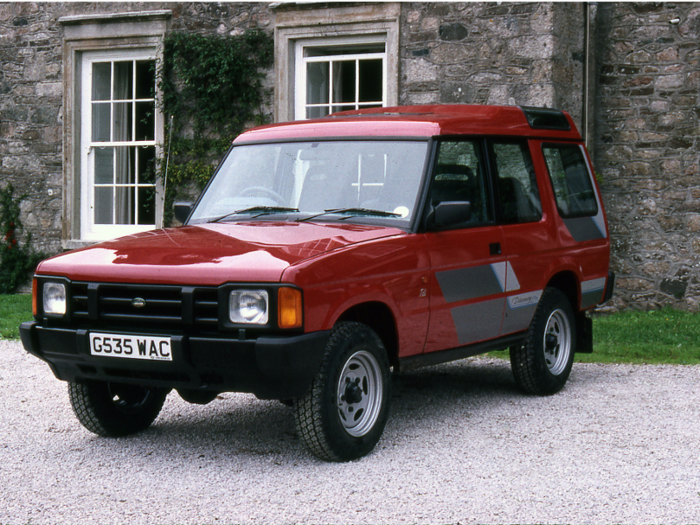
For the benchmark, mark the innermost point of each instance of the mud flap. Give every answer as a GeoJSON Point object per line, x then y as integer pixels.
{"type": "Point", "coordinates": [584, 334]}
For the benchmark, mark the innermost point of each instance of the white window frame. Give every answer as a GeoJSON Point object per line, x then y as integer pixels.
{"type": "Point", "coordinates": [89, 230]}
{"type": "Point", "coordinates": [303, 58]}
{"type": "Point", "coordinates": [119, 33]}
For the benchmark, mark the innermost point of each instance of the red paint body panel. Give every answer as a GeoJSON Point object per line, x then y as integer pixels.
{"type": "Point", "coordinates": [208, 255]}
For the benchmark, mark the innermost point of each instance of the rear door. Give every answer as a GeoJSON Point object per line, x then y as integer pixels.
{"type": "Point", "coordinates": [467, 292]}
{"type": "Point", "coordinates": [529, 240]}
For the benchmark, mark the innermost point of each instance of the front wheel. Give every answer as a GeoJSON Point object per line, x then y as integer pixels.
{"type": "Point", "coordinates": [542, 365]}
{"type": "Point", "coordinates": [344, 414]}
{"type": "Point", "coordinates": [114, 409]}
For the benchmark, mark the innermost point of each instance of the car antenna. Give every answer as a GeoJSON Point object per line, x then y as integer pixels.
{"type": "Point", "coordinates": [167, 160]}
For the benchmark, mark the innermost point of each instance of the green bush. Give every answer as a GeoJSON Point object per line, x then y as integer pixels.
{"type": "Point", "coordinates": [16, 259]}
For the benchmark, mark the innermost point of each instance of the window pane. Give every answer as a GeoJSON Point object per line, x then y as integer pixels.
{"type": "Point", "coordinates": [344, 108]}
{"type": "Point", "coordinates": [101, 80]}
{"type": "Point", "coordinates": [125, 205]}
{"type": "Point", "coordinates": [125, 166]}
{"type": "Point", "coordinates": [517, 185]}
{"type": "Point", "coordinates": [147, 206]}
{"type": "Point", "coordinates": [147, 165]}
{"type": "Point", "coordinates": [371, 80]}
{"type": "Point", "coordinates": [459, 177]}
{"type": "Point", "coordinates": [316, 112]}
{"type": "Point", "coordinates": [122, 121]}
{"type": "Point", "coordinates": [145, 120]}
{"type": "Point", "coordinates": [103, 205]}
{"type": "Point", "coordinates": [101, 119]}
{"type": "Point", "coordinates": [104, 165]}
{"type": "Point", "coordinates": [123, 80]}
{"type": "Point", "coordinates": [145, 79]}
{"type": "Point", "coordinates": [317, 82]}
{"type": "Point", "coordinates": [572, 184]}
{"type": "Point", "coordinates": [344, 81]}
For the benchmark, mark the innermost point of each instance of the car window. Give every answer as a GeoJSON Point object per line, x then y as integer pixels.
{"type": "Point", "coordinates": [460, 176]}
{"type": "Point", "coordinates": [518, 194]}
{"type": "Point", "coordinates": [571, 181]}
{"type": "Point", "coordinates": [379, 179]}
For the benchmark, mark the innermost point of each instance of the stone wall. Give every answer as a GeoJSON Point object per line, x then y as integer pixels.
{"type": "Point", "coordinates": [487, 53]}
{"type": "Point", "coordinates": [646, 146]}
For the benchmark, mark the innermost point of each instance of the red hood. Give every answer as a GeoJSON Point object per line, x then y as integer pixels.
{"type": "Point", "coordinates": [209, 254]}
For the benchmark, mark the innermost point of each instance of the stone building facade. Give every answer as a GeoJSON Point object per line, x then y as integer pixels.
{"type": "Point", "coordinates": [628, 73]}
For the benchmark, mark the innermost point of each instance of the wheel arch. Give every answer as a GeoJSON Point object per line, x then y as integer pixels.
{"type": "Point", "coordinates": [568, 283]}
{"type": "Point", "coordinates": [379, 317]}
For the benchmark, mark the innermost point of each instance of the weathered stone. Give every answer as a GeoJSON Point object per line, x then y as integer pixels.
{"type": "Point", "coordinates": [674, 287]}
{"type": "Point", "coordinates": [454, 31]}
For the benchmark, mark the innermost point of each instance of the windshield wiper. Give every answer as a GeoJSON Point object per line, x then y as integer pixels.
{"type": "Point", "coordinates": [258, 211]}
{"type": "Point", "coordinates": [351, 212]}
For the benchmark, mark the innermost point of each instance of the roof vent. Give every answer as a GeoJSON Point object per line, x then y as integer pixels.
{"type": "Point", "coordinates": [545, 118]}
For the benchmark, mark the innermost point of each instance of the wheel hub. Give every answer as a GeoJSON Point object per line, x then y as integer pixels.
{"type": "Point", "coordinates": [353, 392]}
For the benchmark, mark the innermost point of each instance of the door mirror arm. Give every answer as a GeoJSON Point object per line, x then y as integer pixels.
{"type": "Point", "coordinates": [182, 211]}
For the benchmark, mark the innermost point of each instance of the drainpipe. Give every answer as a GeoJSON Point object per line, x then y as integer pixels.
{"type": "Point", "coordinates": [586, 65]}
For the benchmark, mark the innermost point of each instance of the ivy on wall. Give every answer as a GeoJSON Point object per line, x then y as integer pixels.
{"type": "Point", "coordinates": [211, 89]}
{"type": "Point", "coordinates": [17, 259]}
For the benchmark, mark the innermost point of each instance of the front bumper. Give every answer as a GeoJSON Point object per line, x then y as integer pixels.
{"type": "Point", "coordinates": [271, 367]}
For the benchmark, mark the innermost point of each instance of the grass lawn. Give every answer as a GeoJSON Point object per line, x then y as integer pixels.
{"type": "Point", "coordinates": [14, 309]}
{"type": "Point", "coordinates": [661, 336]}
{"type": "Point", "coordinates": [658, 336]}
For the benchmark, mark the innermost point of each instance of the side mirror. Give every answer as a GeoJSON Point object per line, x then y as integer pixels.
{"type": "Point", "coordinates": [450, 213]}
{"type": "Point", "coordinates": [182, 211]}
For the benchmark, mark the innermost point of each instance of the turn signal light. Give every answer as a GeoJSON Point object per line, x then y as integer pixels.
{"type": "Point", "coordinates": [289, 308]}
{"type": "Point", "coordinates": [34, 293]}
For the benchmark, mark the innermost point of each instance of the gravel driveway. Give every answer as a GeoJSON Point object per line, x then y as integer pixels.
{"type": "Point", "coordinates": [618, 445]}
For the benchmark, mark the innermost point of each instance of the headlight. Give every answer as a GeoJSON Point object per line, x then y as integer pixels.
{"type": "Point", "coordinates": [249, 306]}
{"type": "Point", "coordinates": [54, 295]}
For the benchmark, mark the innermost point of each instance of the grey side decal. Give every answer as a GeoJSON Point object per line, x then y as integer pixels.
{"type": "Point", "coordinates": [479, 321]}
{"type": "Point", "coordinates": [592, 292]}
{"type": "Point", "coordinates": [519, 311]}
{"type": "Point", "coordinates": [468, 283]}
{"type": "Point", "coordinates": [584, 229]}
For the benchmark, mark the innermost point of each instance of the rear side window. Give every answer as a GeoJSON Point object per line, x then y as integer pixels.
{"type": "Point", "coordinates": [571, 181]}
{"type": "Point", "coordinates": [518, 195]}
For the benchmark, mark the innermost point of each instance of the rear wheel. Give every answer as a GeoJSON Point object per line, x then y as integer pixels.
{"type": "Point", "coordinates": [115, 409]}
{"type": "Point", "coordinates": [344, 414]}
{"type": "Point", "coordinates": [543, 364]}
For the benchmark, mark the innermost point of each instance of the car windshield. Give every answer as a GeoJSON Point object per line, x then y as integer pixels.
{"type": "Point", "coordinates": [350, 181]}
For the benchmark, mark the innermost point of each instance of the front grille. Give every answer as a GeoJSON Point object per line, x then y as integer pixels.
{"type": "Point", "coordinates": [153, 306]}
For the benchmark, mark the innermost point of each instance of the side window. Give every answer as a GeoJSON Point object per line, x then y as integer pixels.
{"type": "Point", "coordinates": [460, 176]}
{"type": "Point", "coordinates": [518, 195]}
{"type": "Point", "coordinates": [571, 181]}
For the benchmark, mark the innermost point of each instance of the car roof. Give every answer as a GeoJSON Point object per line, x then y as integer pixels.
{"type": "Point", "coordinates": [424, 122]}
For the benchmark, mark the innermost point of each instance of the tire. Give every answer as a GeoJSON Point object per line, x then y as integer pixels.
{"type": "Point", "coordinates": [344, 413]}
{"type": "Point", "coordinates": [542, 365]}
{"type": "Point", "coordinates": [114, 409]}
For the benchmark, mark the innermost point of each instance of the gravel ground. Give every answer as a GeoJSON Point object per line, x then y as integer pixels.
{"type": "Point", "coordinates": [618, 445]}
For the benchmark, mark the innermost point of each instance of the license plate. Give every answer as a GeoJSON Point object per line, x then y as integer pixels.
{"type": "Point", "coordinates": [145, 347]}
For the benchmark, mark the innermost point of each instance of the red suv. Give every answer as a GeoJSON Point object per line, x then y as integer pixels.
{"type": "Point", "coordinates": [326, 253]}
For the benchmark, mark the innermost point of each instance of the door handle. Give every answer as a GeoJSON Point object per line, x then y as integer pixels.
{"type": "Point", "coordinates": [495, 248]}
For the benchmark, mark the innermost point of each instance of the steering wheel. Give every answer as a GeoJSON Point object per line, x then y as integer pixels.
{"type": "Point", "coordinates": [266, 191]}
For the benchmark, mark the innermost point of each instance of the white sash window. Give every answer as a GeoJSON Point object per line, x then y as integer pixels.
{"type": "Point", "coordinates": [339, 75]}
{"type": "Point", "coordinates": [119, 191]}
